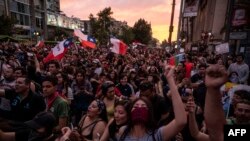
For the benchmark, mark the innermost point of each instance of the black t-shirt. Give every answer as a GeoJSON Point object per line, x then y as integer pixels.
{"type": "Point", "coordinates": [125, 90]}
{"type": "Point", "coordinates": [27, 108]}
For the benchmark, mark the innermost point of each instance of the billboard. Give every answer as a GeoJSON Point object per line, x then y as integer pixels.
{"type": "Point", "coordinates": [191, 8]}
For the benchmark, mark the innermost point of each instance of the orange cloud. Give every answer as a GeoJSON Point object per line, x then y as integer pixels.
{"type": "Point", "coordinates": [157, 12]}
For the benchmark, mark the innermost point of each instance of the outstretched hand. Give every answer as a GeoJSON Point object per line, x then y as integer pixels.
{"type": "Point", "coordinates": [169, 71]}
{"type": "Point", "coordinates": [216, 76]}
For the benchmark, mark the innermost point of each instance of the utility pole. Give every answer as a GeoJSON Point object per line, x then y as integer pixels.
{"type": "Point", "coordinates": [180, 20]}
{"type": "Point", "coordinates": [171, 27]}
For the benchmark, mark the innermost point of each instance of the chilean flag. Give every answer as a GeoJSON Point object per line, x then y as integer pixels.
{"type": "Point", "coordinates": [175, 60]}
{"type": "Point", "coordinates": [58, 52]}
{"type": "Point", "coordinates": [85, 39]}
{"type": "Point", "coordinates": [40, 43]}
{"type": "Point", "coordinates": [118, 46]}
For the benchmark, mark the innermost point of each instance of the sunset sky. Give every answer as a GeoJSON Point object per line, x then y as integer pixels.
{"type": "Point", "coordinates": [157, 12]}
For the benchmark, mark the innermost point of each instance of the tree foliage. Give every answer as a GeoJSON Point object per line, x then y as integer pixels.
{"type": "Point", "coordinates": [142, 31]}
{"type": "Point", "coordinates": [126, 34]}
{"type": "Point", "coordinates": [100, 25]}
{"type": "Point", "coordinates": [164, 43]}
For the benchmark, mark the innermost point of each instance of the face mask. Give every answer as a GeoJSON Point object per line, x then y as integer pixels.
{"type": "Point", "coordinates": [234, 79]}
{"type": "Point", "coordinates": [140, 115]}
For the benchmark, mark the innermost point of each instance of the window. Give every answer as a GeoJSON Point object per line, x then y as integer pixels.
{"type": "Point", "coordinates": [39, 22]}
{"type": "Point", "coordinates": [20, 7]}
{"type": "Point", "coordinates": [27, 20]}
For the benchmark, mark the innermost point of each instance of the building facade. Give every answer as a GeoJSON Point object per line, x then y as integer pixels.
{"type": "Point", "coordinates": [39, 18]}
{"type": "Point", "coordinates": [206, 23]}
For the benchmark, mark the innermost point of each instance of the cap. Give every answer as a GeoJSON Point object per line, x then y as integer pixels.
{"type": "Point", "coordinates": [96, 61]}
{"type": "Point", "coordinates": [43, 119]}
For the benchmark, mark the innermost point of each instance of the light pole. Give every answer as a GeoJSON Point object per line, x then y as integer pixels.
{"type": "Point", "coordinates": [171, 27]}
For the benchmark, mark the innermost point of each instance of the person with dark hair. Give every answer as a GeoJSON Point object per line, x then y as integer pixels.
{"type": "Point", "coordinates": [63, 87]}
{"type": "Point", "coordinates": [40, 128]}
{"type": "Point", "coordinates": [142, 125]}
{"type": "Point", "coordinates": [109, 97]}
{"type": "Point", "coordinates": [92, 124]}
{"type": "Point", "coordinates": [241, 68]}
{"type": "Point", "coordinates": [53, 67]}
{"type": "Point", "coordinates": [116, 125]}
{"type": "Point", "coordinates": [161, 105]}
{"type": "Point", "coordinates": [19, 71]}
{"type": "Point", "coordinates": [83, 96]}
{"type": "Point", "coordinates": [22, 104]}
{"type": "Point", "coordinates": [241, 113]}
{"type": "Point", "coordinates": [238, 96]}
{"type": "Point", "coordinates": [125, 88]}
{"type": "Point", "coordinates": [55, 104]}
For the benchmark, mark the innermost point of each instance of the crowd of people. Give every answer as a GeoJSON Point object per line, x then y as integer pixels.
{"type": "Point", "coordinates": [94, 94]}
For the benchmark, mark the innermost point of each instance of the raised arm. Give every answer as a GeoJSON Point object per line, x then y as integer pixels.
{"type": "Point", "coordinates": [7, 136]}
{"type": "Point", "coordinates": [105, 135]}
{"type": "Point", "coordinates": [193, 127]}
{"type": "Point", "coordinates": [176, 125]}
{"type": "Point", "coordinates": [216, 76]}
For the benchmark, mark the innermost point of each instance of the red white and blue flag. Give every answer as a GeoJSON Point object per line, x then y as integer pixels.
{"type": "Point", "coordinates": [58, 52]}
{"type": "Point", "coordinates": [85, 40]}
{"type": "Point", "coordinates": [118, 47]}
{"type": "Point", "coordinates": [40, 43]}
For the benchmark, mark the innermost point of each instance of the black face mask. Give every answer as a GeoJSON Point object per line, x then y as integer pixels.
{"type": "Point", "coordinates": [36, 136]}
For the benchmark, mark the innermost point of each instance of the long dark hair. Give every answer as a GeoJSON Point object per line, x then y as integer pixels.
{"type": "Point", "coordinates": [113, 127]}
{"type": "Point", "coordinates": [150, 125]}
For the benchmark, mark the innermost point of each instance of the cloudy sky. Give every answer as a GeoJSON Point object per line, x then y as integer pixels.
{"type": "Point", "coordinates": [157, 12]}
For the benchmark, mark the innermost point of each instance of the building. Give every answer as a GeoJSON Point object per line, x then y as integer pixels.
{"type": "Point", "coordinates": [206, 23]}
{"type": "Point", "coordinates": [39, 18]}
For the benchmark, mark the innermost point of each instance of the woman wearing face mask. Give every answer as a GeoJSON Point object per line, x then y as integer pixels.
{"type": "Point", "coordinates": [117, 125]}
{"type": "Point", "coordinates": [142, 127]}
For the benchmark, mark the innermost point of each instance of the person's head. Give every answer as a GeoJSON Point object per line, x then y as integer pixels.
{"type": "Point", "coordinates": [42, 124]}
{"type": "Point", "coordinates": [123, 79]}
{"type": "Point", "coordinates": [19, 71]}
{"type": "Point", "coordinates": [146, 89]}
{"type": "Point", "coordinates": [121, 113]}
{"type": "Point", "coordinates": [108, 89]}
{"type": "Point", "coordinates": [240, 58]}
{"type": "Point", "coordinates": [202, 69]}
{"type": "Point", "coordinates": [61, 78]}
{"type": "Point", "coordinates": [242, 112]}
{"type": "Point", "coordinates": [180, 67]}
{"type": "Point", "coordinates": [53, 67]}
{"type": "Point", "coordinates": [22, 84]}
{"type": "Point", "coordinates": [142, 113]}
{"type": "Point", "coordinates": [80, 75]}
{"type": "Point", "coordinates": [233, 77]}
{"type": "Point", "coordinates": [49, 85]}
{"type": "Point", "coordinates": [220, 61]}
{"type": "Point", "coordinates": [239, 95]}
{"type": "Point", "coordinates": [8, 73]}
{"type": "Point", "coordinates": [96, 109]}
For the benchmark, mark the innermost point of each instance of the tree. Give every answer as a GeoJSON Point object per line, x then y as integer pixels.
{"type": "Point", "coordinates": [153, 42]}
{"type": "Point", "coordinates": [143, 32]}
{"type": "Point", "coordinates": [100, 26]}
{"type": "Point", "coordinates": [164, 43]}
{"type": "Point", "coordinates": [6, 25]}
{"type": "Point", "coordinates": [126, 34]}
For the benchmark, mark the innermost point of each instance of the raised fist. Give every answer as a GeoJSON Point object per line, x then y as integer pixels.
{"type": "Point", "coordinates": [216, 76]}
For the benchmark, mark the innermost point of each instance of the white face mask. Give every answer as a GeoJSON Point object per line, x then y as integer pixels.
{"type": "Point", "coordinates": [234, 79]}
